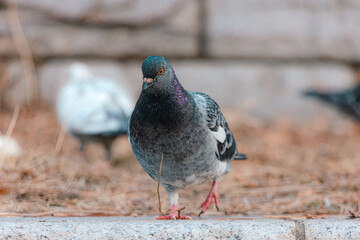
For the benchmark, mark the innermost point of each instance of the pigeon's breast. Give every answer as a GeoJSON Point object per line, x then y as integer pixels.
{"type": "Point", "coordinates": [189, 153]}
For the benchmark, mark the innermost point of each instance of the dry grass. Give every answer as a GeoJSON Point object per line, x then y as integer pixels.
{"type": "Point", "coordinates": [308, 170]}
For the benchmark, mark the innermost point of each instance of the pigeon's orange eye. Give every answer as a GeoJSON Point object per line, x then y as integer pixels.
{"type": "Point", "coordinates": [161, 71]}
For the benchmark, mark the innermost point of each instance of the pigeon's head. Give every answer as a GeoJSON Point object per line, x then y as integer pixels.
{"type": "Point", "coordinates": [79, 72]}
{"type": "Point", "coordinates": [157, 73]}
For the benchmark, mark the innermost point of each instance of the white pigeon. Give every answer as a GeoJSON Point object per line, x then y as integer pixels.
{"type": "Point", "coordinates": [92, 108]}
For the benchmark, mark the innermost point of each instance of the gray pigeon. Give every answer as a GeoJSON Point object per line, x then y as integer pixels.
{"type": "Point", "coordinates": [186, 128]}
{"type": "Point", "coordinates": [346, 101]}
{"type": "Point", "coordinates": [93, 109]}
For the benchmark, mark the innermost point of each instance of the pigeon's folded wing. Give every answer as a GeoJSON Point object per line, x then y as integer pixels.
{"type": "Point", "coordinates": [225, 142]}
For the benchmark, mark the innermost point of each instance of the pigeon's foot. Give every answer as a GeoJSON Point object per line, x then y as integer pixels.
{"type": "Point", "coordinates": [213, 194]}
{"type": "Point", "coordinates": [173, 215]}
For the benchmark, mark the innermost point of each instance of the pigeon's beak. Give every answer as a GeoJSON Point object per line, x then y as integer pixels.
{"type": "Point", "coordinates": [147, 83]}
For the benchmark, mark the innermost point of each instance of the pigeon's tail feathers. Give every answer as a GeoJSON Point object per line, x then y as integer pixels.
{"type": "Point", "coordinates": [316, 94]}
{"type": "Point", "coordinates": [240, 156]}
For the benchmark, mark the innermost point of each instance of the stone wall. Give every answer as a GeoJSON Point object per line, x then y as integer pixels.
{"type": "Point", "coordinates": [256, 55]}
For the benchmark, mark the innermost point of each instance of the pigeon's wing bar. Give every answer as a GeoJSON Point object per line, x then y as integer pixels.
{"type": "Point", "coordinates": [226, 145]}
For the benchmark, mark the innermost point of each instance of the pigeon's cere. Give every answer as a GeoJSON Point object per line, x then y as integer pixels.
{"type": "Point", "coordinates": [347, 101]}
{"type": "Point", "coordinates": [92, 108]}
{"type": "Point", "coordinates": [148, 80]}
{"type": "Point", "coordinates": [186, 128]}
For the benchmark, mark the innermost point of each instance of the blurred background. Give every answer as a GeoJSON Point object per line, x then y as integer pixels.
{"type": "Point", "coordinates": [254, 57]}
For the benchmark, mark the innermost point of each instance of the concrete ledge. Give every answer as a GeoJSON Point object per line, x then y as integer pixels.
{"type": "Point", "coordinates": [331, 229]}
{"type": "Point", "coordinates": [148, 228]}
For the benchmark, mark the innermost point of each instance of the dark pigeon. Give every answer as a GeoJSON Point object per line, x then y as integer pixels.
{"type": "Point", "coordinates": [93, 109]}
{"type": "Point", "coordinates": [346, 101]}
{"type": "Point", "coordinates": [186, 128]}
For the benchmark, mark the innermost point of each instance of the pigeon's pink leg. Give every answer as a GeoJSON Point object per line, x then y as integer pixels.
{"type": "Point", "coordinates": [173, 214]}
{"type": "Point", "coordinates": [213, 194]}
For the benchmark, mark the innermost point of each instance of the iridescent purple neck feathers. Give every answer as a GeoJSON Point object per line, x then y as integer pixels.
{"type": "Point", "coordinates": [179, 93]}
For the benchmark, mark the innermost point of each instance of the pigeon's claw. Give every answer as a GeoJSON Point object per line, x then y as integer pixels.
{"type": "Point", "coordinates": [173, 216]}
{"type": "Point", "coordinates": [213, 194]}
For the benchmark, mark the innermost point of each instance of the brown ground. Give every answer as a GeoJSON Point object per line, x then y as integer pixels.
{"type": "Point", "coordinates": [310, 169]}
